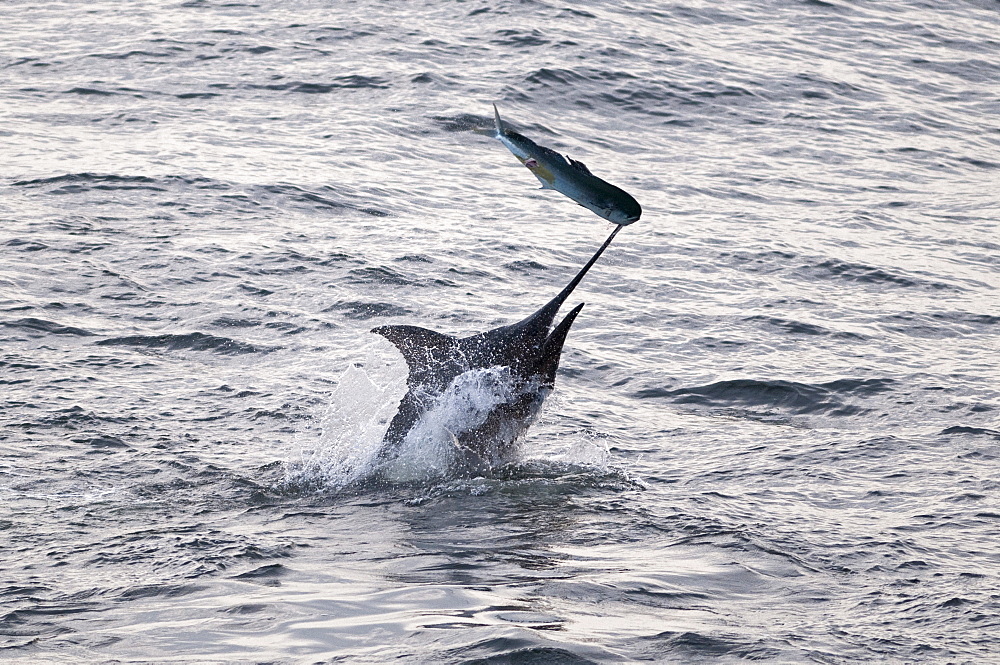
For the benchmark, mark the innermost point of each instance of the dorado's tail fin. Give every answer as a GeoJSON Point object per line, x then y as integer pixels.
{"type": "Point", "coordinates": [500, 129]}
{"type": "Point", "coordinates": [497, 131]}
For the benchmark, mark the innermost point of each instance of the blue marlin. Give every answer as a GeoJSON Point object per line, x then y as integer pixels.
{"type": "Point", "coordinates": [569, 176]}
{"type": "Point", "coordinates": [522, 356]}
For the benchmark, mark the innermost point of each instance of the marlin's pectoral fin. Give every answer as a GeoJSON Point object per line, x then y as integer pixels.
{"type": "Point", "coordinates": [417, 344]}
{"type": "Point", "coordinates": [579, 166]}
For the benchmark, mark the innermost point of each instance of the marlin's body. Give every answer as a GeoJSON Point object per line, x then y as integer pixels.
{"type": "Point", "coordinates": [569, 177]}
{"type": "Point", "coordinates": [522, 357]}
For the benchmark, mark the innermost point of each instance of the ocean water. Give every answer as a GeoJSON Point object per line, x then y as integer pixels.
{"type": "Point", "coordinates": [776, 426]}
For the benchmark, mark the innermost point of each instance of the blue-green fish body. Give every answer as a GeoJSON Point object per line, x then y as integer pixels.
{"type": "Point", "coordinates": [569, 177]}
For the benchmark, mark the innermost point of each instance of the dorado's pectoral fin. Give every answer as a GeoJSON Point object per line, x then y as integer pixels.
{"type": "Point", "coordinates": [418, 345]}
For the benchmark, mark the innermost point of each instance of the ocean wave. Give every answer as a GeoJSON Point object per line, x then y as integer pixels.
{"type": "Point", "coordinates": [362, 311]}
{"type": "Point", "coordinates": [381, 275]}
{"type": "Point", "coordinates": [325, 197]}
{"type": "Point", "coordinates": [802, 328]}
{"type": "Point", "coordinates": [46, 327]}
{"type": "Point", "coordinates": [95, 92]}
{"type": "Point", "coordinates": [353, 81]}
{"type": "Point", "coordinates": [797, 398]}
{"type": "Point", "coordinates": [963, 429]}
{"type": "Point", "coordinates": [129, 54]}
{"type": "Point", "coordinates": [875, 276]}
{"type": "Point", "coordinates": [195, 341]}
{"type": "Point", "coordinates": [99, 179]}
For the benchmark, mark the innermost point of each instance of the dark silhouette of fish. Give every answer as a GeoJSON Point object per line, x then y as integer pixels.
{"type": "Point", "coordinates": [523, 356]}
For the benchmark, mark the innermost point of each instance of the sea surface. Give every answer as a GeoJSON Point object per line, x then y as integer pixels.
{"type": "Point", "coordinates": [775, 435]}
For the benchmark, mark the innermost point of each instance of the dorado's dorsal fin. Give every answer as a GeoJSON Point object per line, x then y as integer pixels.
{"type": "Point", "coordinates": [418, 345]}
{"type": "Point", "coordinates": [579, 166]}
{"type": "Point", "coordinates": [558, 156]}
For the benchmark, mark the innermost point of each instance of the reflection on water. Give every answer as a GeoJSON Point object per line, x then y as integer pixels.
{"type": "Point", "coordinates": [775, 426]}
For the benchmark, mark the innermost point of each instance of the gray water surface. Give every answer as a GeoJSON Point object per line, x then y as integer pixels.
{"type": "Point", "coordinates": [775, 433]}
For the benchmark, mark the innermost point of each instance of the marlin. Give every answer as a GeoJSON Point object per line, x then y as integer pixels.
{"type": "Point", "coordinates": [569, 176]}
{"type": "Point", "coordinates": [524, 356]}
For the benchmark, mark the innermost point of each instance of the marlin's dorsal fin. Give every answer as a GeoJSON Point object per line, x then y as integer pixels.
{"type": "Point", "coordinates": [418, 345]}
{"type": "Point", "coordinates": [579, 166]}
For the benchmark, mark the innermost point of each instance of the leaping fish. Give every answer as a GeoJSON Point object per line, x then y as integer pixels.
{"type": "Point", "coordinates": [569, 177]}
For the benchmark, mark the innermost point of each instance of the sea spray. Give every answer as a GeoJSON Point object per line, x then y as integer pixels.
{"type": "Point", "coordinates": [431, 448]}
{"type": "Point", "coordinates": [350, 432]}
{"type": "Point", "coordinates": [344, 448]}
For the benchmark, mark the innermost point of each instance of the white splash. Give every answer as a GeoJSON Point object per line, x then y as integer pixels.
{"type": "Point", "coordinates": [351, 430]}
{"type": "Point", "coordinates": [430, 447]}
{"type": "Point", "coordinates": [364, 402]}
